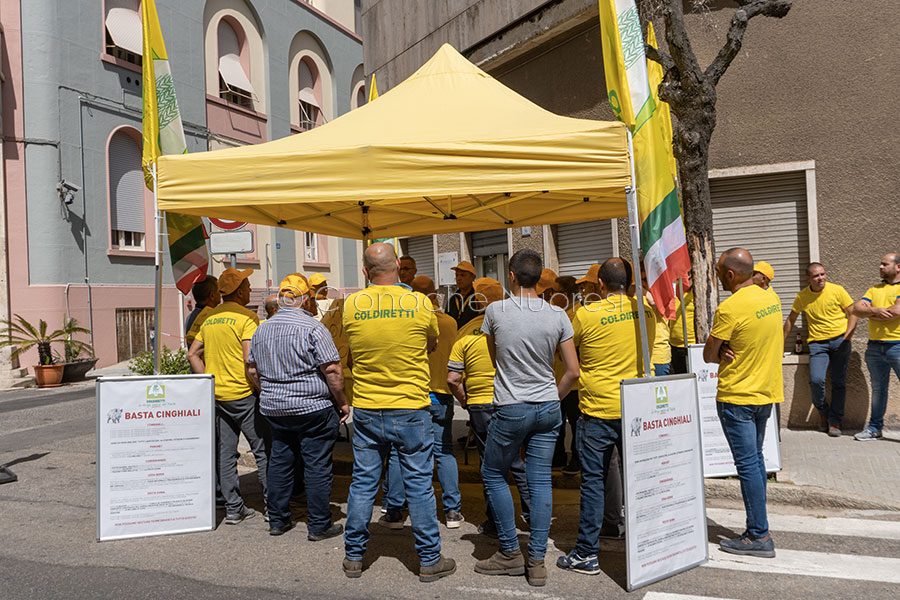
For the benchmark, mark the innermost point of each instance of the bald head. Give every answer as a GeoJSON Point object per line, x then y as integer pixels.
{"type": "Point", "coordinates": [614, 275]}
{"type": "Point", "coordinates": [380, 263]}
{"type": "Point", "coordinates": [271, 305]}
{"type": "Point", "coordinates": [735, 266]}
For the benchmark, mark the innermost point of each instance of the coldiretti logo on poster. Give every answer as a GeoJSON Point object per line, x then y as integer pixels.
{"type": "Point", "coordinates": [662, 397]}
{"type": "Point", "coordinates": [156, 393]}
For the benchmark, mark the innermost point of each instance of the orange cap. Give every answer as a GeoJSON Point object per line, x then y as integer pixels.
{"type": "Point", "coordinates": [423, 284]}
{"type": "Point", "coordinates": [316, 279]}
{"type": "Point", "coordinates": [465, 266]}
{"type": "Point", "coordinates": [489, 288]}
{"type": "Point", "coordinates": [231, 279]}
{"type": "Point", "coordinates": [592, 276]}
{"type": "Point", "coordinates": [294, 285]}
{"type": "Point", "coordinates": [546, 282]}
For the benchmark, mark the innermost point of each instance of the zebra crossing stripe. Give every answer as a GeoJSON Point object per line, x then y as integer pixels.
{"type": "Point", "coordinates": [866, 528]}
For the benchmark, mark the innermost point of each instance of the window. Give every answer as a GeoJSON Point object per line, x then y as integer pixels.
{"type": "Point", "coordinates": [310, 247]}
{"type": "Point", "coordinates": [126, 193]}
{"type": "Point", "coordinates": [124, 35]}
{"type": "Point", "coordinates": [310, 102]}
{"type": "Point", "coordinates": [234, 72]}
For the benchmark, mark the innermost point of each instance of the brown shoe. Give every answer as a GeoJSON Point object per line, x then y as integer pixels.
{"type": "Point", "coordinates": [535, 572]}
{"type": "Point", "coordinates": [442, 568]}
{"type": "Point", "coordinates": [352, 568]}
{"type": "Point", "coordinates": [502, 563]}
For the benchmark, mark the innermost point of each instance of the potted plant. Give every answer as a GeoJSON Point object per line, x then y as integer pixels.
{"type": "Point", "coordinates": [75, 366]}
{"type": "Point", "coordinates": [22, 336]}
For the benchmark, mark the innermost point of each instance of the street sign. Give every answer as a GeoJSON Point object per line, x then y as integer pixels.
{"type": "Point", "coordinates": [230, 242]}
{"type": "Point", "coordinates": [227, 224]}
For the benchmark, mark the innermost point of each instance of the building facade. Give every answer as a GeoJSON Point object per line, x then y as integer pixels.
{"type": "Point", "coordinates": [80, 222]}
{"type": "Point", "coordinates": [802, 162]}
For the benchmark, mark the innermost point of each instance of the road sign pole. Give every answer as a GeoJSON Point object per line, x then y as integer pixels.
{"type": "Point", "coordinates": [233, 261]}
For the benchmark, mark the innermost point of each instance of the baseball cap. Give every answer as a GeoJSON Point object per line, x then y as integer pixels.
{"type": "Point", "coordinates": [546, 282]}
{"type": "Point", "coordinates": [423, 284]}
{"type": "Point", "coordinates": [316, 279]}
{"type": "Point", "coordinates": [592, 276]}
{"type": "Point", "coordinates": [488, 287]}
{"type": "Point", "coordinates": [294, 285]}
{"type": "Point", "coordinates": [231, 279]}
{"type": "Point", "coordinates": [465, 266]}
{"type": "Point", "coordinates": [765, 268]}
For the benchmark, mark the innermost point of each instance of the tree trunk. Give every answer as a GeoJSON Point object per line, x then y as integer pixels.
{"type": "Point", "coordinates": [692, 135]}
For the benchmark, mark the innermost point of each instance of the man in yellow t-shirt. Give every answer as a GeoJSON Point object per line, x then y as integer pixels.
{"type": "Point", "coordinates": [470, 378]}
{"type": "Point", "coordinates": [661, 355]}
{"type": "Point", "coordinates": [206, 294]}
{"type": "Point", "coordinates": [221, 348]}
{"type": "Point", "coordinates": [441, 423]}
{"type": "Point", "coordinates": [827, 309]}
{"type": "Point", "coordinates": [676, 327]}
{"type": "Point", "coordinates": [881, 305]}
{"type": "Point", "coordinates": [608, 340]}
{"type": "Point", "coordinates": [750, 382]}
{"type": "Point", "coordinates": [390, 330]}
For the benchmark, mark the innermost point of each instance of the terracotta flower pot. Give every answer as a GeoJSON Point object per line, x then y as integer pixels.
{"type": "Point", "coordinates": [48, 375]}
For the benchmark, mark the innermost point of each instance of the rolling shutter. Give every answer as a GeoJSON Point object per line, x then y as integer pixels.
{"type": "Point", "coordinates": [421, 249]}
{"type": "Point", "coordinates": [489, 243]}
{"type": "Point", "coordinates": [579, 245]}
{"type": "Point", "coordinates": [767, 215]}
{"type": "Point", "coordinates": [126, 184]}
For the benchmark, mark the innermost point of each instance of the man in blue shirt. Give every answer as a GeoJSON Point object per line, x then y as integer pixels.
{"type": "Point", "coordinates": [298, 371]}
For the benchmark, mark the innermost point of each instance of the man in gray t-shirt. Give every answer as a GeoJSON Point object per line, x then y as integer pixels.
{"type": "Point", "coordinates": [522, 334]}
{"type": "Point", "coordinates": [526, 332]}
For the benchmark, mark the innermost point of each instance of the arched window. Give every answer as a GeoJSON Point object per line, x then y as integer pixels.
{"type": "Point", "coordinates": [310, 95]}
{"type": "Point", "coordinates": [357, 88]}
{"type": "Point", "coordinates": [124, 34]}
{"type": "Point", "coordinates": [126, 192]}
{"type": "Point", "coordinates": [234, 69]}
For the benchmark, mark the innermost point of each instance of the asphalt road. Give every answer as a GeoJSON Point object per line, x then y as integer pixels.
{"type": "Point", "coordinates": [48, 548]}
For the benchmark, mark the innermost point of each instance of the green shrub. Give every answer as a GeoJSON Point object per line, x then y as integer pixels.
{"type": "Point", "coordinates": [170, 362]}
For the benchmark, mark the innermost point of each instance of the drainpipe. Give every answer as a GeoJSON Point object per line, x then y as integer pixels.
{"type": "Point", "coordinates": [87, 281]}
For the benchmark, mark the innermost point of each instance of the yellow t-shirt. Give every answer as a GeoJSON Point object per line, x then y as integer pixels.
{"type": "Point", "coordinates": [222, 333]}
{"type": "Point", "coordinates": [825, 311]}
{"type": "Point", "coordinates": [662, 351]}
{"type": "Point", "coordinates": [437, 360]}
{"type": "Point", "coordinates": [676, 329]}
{"type": "Point", "coordinates": [471, 357]}
{"type": "Point", "coordinates": [387, 327]}
{"type": "Point", "coordinates": [884, 295]}
{"type": "Point", "coordinates": [750, 321]}
{"type": "Point", "coordinates": [559, 368]}
{"type": "Point", "coordinates": [195, 326]}
{"type": "Point", "coordinates": [608, 339]}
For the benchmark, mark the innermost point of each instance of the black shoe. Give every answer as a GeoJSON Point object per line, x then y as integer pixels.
{"type": "Point", "coordinates": [335, 530]}
{"type": "Point", "coordinates": [489, 529]}
{"type": "Point", "coordinates": [392, 519]}
{"type": "Point", "coordinates": [612, 532]}
{"type": "Point", "coordinates": [276, 530]}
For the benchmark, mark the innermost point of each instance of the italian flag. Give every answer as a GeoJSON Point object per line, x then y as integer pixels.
{"type": "Point", "coordinates": [163, 134]}
{"type": "Point", "coordinates": [632, 81]}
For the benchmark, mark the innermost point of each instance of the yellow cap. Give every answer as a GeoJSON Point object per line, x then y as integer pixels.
{"type": "Point", "coordinates": [294, 285]}
{"type": "Point", "coordinates": [316, 279]}
{"type": "Point", "coordinates": [765, 268]}
{"type": "Point", "coordinates": [231, 279]}
{"type": "Point", "coordinates": [465, 266]}
{"type": "Point", "coordinates": [546, 282]}
{"type": "Point", "coordinates": [423, 284]}
{"type": "Point", "coordinates": [489, 288]}
{"type": "Point", "coordinates": [592, 276]}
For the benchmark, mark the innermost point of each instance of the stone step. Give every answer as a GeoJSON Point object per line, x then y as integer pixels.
{"type": "Point", "coordinates": [22, 382]}
{"type": "Point", "coordinates": [19, 372]}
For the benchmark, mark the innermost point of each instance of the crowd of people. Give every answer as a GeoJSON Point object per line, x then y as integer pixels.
{"type": "Point", "coordinates": [523, 363]}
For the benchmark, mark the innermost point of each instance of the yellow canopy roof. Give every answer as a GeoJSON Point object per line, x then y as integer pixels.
{"type": "Point", "coordinates": [449, 149]}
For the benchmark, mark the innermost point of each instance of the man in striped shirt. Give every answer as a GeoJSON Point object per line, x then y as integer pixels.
{"type": "Point", "coordinates": [298, 371]}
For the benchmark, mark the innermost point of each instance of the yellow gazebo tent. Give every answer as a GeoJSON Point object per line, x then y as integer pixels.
{"type": "Point", "coordinates": [450, 149]}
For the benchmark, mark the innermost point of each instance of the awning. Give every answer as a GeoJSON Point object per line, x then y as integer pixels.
{"type": "Point", "coordinates": [124, 27]}
{"type": "Point", "coordinates": [233, 74]}
{"type": "Point", "coordinates": [450, 149]}
{"type": "Point", "coordinates": [306, 95]}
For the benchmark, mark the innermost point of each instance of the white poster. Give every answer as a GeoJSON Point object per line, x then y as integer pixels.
{"type": "Point", "coordinates": [446, 262]}
{"type": "Point", "coordinates": [155, 453]}
{"type": "Point", "coordinates": [717, 458]}
{"type": "Point", "coordinates": [665, 503]}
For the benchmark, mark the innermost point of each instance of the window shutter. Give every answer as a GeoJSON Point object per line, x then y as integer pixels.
{"type": "Point", "coordinates": [421, 249]}
{"type": "Point", "coordinates": [126, 184]}
{"type": "Point", "coordinates": [579, 245]}
{"type": "Point", "coordinates": [488, 243]}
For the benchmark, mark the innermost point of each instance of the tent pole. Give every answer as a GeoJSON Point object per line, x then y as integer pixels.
{"type": "Point", "coordinates": [157, 326]}
{"type": "Point", "coordinates": [633, 225]}
{"type": "Point", "coordinates": [684, 325]}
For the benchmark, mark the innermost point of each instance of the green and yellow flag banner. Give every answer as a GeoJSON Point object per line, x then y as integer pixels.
{"type": "Point", "coordinates": [164, 134]}
{"type": "Point", "coordinates": [632, 84]}
{"type": "Point", "coordinates": [373, 89]}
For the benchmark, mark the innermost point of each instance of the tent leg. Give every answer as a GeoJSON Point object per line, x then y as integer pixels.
{"type": "Point", "coordinates": [157, 311]}
{"type": "Point", "coordinates": [684, 324]}
{"type": "Point", "coordinates": [633, 225]}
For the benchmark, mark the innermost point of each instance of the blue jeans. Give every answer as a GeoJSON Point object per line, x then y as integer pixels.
{"type": "Point", "coordinates": [661, 369]}
{"type": "Point", "coordinates": [595, 440]}
{"type": "Point", "coordinates": [536, 426]}
{"type": "Point", "coordinates": [444, 459]}
{"type": "Point", "coordinates": [375, 432]}
{"type": "Point", "coordinates": [310, 436]}
{"type": "Point", "coordinates": [881, 358]}
{"type": "Point", "coordinates": [837, 352]}
{"type": "Point", "coordinates": [745, 430]}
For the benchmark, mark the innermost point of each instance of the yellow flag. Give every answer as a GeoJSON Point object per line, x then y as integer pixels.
{"type": "Point", "coordinates": [664, 116]}
{"type": "Point", "coordinates": [373, 89]}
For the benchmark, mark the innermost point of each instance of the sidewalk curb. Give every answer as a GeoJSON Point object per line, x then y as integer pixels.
{"type": "Point", "coordinates": [807, 496]}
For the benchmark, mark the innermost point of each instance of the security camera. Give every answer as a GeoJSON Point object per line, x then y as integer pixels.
{"type": "Point", "coordinates": [67, 191]}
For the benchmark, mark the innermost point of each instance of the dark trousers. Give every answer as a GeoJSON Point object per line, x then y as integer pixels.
{"type": "Point", "coordinates": [679, 361]}
{"type": "Point", "coordinates": [311, 436]}
{"type": "Point", "coordinates": [479, 419]}
{"type": "Point", "coordinates": [569, 406]}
